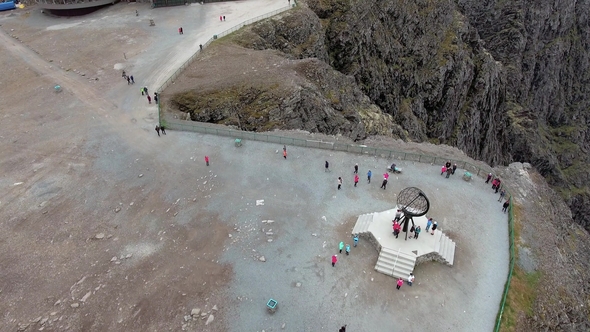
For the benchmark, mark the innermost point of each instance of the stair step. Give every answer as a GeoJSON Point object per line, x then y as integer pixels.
{"type": "Point", "coordinates": [399, 262]}
{"type": "Point", "coordinates": [444, 240]}
{"type": "Point", "coordinates": [386, 250]}
{"type": "Point", "coordinates": [398, 273]}
{"type": "Point", "coordinates": [437, 238]}
{"type": "Point", "coordinates": [451, 258]}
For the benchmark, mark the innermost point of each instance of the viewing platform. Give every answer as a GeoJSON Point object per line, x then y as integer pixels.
{"type": "Point", "coordinates": [398, 257]}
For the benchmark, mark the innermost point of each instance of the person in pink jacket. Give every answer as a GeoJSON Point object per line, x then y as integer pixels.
{"type": "Point", "coordinates": [334, 260]}
{"type": "Point", "coordinates": [396, 228]}
{"type": "Point", "coordinates": [400, 282]}
{"type": "Point", "coordinates": [356, 179]}
{"type": "Point", "coordinates": [443, 170]}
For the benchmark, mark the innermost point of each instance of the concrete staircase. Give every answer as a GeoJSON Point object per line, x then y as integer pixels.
{"type": "Point", "coordinates": [395, 263]}
{"type": "Point", "coordinates": [445, 247]}
{"type": "Point", "coordinates": [362, 223]}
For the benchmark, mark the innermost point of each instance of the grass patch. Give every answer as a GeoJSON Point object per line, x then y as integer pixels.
{"type": "Point", "coordinates": [523, 286]}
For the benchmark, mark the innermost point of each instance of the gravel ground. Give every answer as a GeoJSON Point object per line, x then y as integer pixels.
{"type": "Point", "coordinates": [79, 155]}
{"type": "Point", "coordinates": [298, 194]}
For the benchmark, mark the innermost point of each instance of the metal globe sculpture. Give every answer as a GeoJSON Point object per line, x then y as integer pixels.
{"type": "Point", "coordinates": [413, 203]}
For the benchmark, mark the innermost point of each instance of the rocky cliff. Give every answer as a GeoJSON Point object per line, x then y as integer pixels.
{"type": "Point", "coordinates": [501, 80]}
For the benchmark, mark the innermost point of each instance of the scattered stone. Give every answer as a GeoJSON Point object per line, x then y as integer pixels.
{"type": "Point", "coordinates": [214, 308]}
{"type": "Point", "coordinates": [269, 240]}
{"type": "Point", "coordinates": [37, 320]}
{"type": "Point", "coordinates": [44, 320]}
{"type": "Point", "coordinates": [269, 233]}
{"type": "Point", "coordinates": [53, 313]}
{"type": "Point", "coordinates": [140, 175]}
{"type": "Point", "coordinates": [117, 209]}
{"type": "Point", "coordinates": [209, 320]}
{"type": "Point", "coordinates": [131, 204]}
{"type": "Point", "coordinates": [114, 259]}
{"type": "Point", "coordinates": [229, 235]}
{"type": "Point", "coordinates": [22, 327]}
{"type": "Point", "coordinates": [262, 259]}
{"type": "Point", "coordinates": [75, 305]}
{"type": "Point", "coordinates": [187, 318]}
{"type": "Point", "coordinates": [345, 294]}
{"type": "Point", "coordinates": [118, 262]}
{"type": "Point", "coordinates": [129, 256]}
{"type": "Point", "coordinates": [43, 204]}
{"type": "Point", "coordinates": [283, 326]}
{"type": "Point", "coordinates": [86, 296]}
{"type": "Point", "coordinates": [298, 284]}
{"type": "Point", "coordinates": [203, 314]}
{"type": "Point", "coordinates": [270, 221]}
{"type": "Point", "coordinates": [314, 234]}
{"type": "Point", "coordinates": [99, 236]}
{"type": "Point", "coordinates": [195, 312]}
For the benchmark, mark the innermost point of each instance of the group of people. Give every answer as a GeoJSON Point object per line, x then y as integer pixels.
{"type": "Point", "coordinates": [497, 186]}
{"type": "Point", "coordinates": [414, 229]}
{"type": "Point", "coordinates": [144, 92]}
{"type": "Point", "coordinates": [356, 176]}
{"type": "Point", "coordinates": [346, 248]}
{"type": "Point", "coordinates": [448, 168]}
{"type": "Point", "coordinates": [400, 281]}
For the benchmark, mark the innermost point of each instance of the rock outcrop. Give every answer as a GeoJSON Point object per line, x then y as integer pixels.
{"type": "Point", "coordinates": [501, 80]}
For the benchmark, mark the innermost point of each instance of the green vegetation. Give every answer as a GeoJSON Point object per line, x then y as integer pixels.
{"type": "Point", "coordinates": [523, 286]}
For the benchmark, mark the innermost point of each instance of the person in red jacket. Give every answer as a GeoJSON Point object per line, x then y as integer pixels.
{"type": "Point", "coordinates": [334, 260]}
{"type": "Point", "coordinates": [356, 179]}
{"type": "Point", "coordinates": [207, 160]}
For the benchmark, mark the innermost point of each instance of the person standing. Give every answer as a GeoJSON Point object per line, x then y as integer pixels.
{"type": "Point", "coordinates": [428, 224]}
{"type": "Point", "coordinates": [369, 173]}
{"type": "Point", "coordinates": [285, 152]}
{"type": "Point", "coordinates": [356, 179]}
{"type": "Point", "coordinates": [454, 168]}
{"type": "Point", "coordinates": [334, 260]}
{"type": "Point", "coordinates": [417, 232]}
{"type": "Point", "coordinates": [158, 130]}
{"type": "Point", "coordinates": [498, 183]}
{"type": "Point", "coordinates": [505, 206]}
{"type": "Point", "coordinates": [132, 80]}
{"type": "Point", "coordinates": [347, 249]}
{"type": "Point", "coordinates": [443, 170]}
{"type": "Point", "coordinates": [142, 91]}
{"type": "Point", "coordinates": [396, 229]}
{"type": "Point", "coordinates": [327, 166]}
{"type": "Point", "coordinates": [502, 194]}
{"type": "Point", "coordinates": [355, 238]}
{"type": "Point", "coordinates": [411, 279]}
{"type": "Point", "coordinates": [156, 97]}
{"type": "Point", "coordinates": [128, 80]}
{"type": "Point", "coordinates": [489, 178]}
{"type": "Point", "coordinates": [434, 227]}
{"type": "Point", "coordinates": [449, 170]}
{"type": "Point", "coordinates": [146, 90]}
{"type": "Point", "coordinates": [220, 18]}
{"type": "Point", "coordinates": [180, 31]}
{"type": "Point", "coordinates": [207, 160]}
{"type": "Point", "coordinates": [339, 183]}
{"type": "Point", "coordinates": [224, 17]}
{"type": "Point", "coordinates": [400, 282]}
{"type": "Point", "coordinates": [343, 328]}
{"type": "Point", "coordinates": [149, 99]}
{"type": "Point", "coordinates": [163, 130]}
{"type": "Point", "coordinates": [356, 168]}
{"type": "Point", "coordinates": [384, 184]}
{"type": "Point", "coordinates": [341, 246]}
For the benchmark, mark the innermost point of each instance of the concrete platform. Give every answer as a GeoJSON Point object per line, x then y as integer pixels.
{"type": "Point", "coordinates": [398, 256]}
